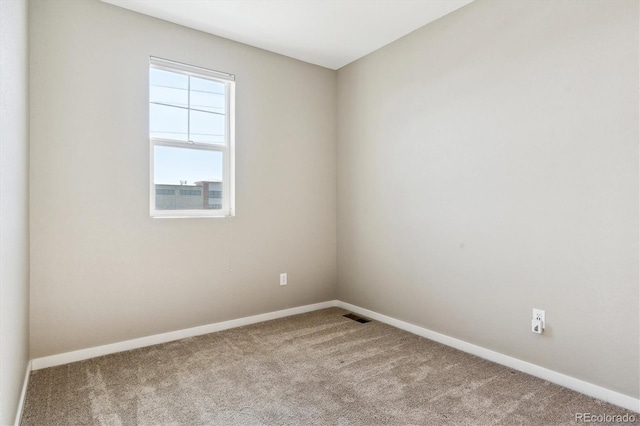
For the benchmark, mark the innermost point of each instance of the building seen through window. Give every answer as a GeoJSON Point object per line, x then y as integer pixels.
{"type": "Point", "coordinates": [200, 195]}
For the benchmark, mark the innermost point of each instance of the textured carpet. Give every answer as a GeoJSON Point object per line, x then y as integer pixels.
{"type": "Point", "coordinates": [312, 369]}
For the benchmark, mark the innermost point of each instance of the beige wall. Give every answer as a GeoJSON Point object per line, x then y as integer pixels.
{"type": "Point", "coordinates": [488, 165]}
{"type": "Point", "coordinates": [14, 204]}
{"type": "Point", "coordinates": [102, 270]}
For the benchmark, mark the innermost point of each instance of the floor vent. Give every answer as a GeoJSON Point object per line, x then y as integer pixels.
{"type": "Point", "coordinates": [356, 318]}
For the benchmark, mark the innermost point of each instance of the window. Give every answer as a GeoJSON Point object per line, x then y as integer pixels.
{"type": "Point", "coordinates": [191, 135]}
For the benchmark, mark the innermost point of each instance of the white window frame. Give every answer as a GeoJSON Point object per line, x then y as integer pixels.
{"type": "Point", "coordinates": [227, 150]}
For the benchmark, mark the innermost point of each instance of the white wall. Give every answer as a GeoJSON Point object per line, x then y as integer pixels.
{"type": "Point", "coordinates": [488, 165]}
{"type": "Point", "coordinates": [14, 202]}
{"type": "Point", "coordinates": [102, 270]}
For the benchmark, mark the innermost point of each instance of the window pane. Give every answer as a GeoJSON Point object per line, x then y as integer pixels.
{"type": "Point", "coordinates": [168, 79]}
{"type": "Point", "coordinates": [168, 88]}
{"type": "Point", "coordinates": [168, 96]}
{"type": "Point", "coordinates": [207, 127]}
{"type": "Point", "coordinates": [207, 95]}
{"type": "Point", "coordinates": [184, 178]}
{"type": "Point", "coordinates": [168, 122]}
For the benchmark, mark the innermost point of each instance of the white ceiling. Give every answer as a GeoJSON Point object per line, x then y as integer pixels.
{"type": "Point", "coordinates": [330, 33]}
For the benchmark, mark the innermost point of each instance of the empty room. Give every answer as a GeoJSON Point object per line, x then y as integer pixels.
{"type": "Point", "coordinates": [319, 212]}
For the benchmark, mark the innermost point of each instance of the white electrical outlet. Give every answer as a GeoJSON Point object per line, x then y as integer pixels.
{"type": "Point", "coordinates": [283, 278]}
{"type": "Point", "coordinates": [538, 315]}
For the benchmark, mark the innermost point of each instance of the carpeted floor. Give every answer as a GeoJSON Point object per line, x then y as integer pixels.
{"type": "Point", "coordinates": [312, 369]}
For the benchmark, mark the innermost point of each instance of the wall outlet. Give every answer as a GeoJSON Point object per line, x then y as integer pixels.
{"type": "Point", "coordinates": [538, 315]}
{"type": "Point", "coordinates": [283, 278]}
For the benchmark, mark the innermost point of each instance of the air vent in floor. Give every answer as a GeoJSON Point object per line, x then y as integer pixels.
{"type": "Point", "coordinates": [356, 318]}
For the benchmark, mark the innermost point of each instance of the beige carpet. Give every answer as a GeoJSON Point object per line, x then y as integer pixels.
{"type": "Point", "coordinates": [313, 369]}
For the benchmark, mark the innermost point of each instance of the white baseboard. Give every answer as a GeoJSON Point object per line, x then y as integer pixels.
{"type": "Point", "coordinates": [23, 395]}
{"type": "Point", "coordinates": [68, 357]}
{"type": "Point", "coordinates": [577, 385]}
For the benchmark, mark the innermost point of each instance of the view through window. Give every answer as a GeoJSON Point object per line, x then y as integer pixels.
{"type": "Point", "coordinates": [191, 136]}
